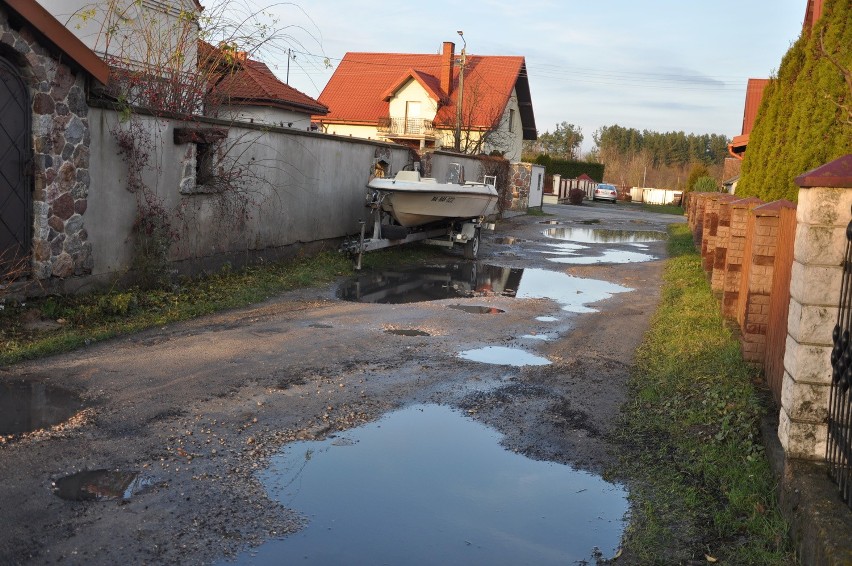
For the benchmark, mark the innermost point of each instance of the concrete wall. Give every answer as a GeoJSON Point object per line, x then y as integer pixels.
{"type": "Point", "coordinates": [304, 187]}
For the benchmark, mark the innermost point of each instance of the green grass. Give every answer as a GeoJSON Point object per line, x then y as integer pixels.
{"type": "Point", "coordinates": [91, 318]}
{"type": "Point", "coordinates": [700, 482]}
{"type": "Point", "coordinates": [537, 212]}
{"type": "Point", "coordinates": [660, 208]}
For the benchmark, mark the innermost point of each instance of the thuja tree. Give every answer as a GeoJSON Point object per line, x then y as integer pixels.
{"type": "Point", "coordinates": [804, 120]}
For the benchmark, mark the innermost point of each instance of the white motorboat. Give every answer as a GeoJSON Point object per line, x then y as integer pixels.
{"type": "Point", "coordinates": [413, 200]}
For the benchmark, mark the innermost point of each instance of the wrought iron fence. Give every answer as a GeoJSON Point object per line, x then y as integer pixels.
{"type": "Point", "coordinates": [839, 447]}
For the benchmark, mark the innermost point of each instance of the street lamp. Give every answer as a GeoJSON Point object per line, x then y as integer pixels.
{"type": "Point", "coordinates": [461, 91]}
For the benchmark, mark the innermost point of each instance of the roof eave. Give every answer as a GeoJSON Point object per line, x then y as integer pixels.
{"type": "Point", "coordinates": [57, 34]}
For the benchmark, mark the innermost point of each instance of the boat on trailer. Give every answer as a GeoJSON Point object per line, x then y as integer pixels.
{"type": "Point", "coordinates": [413, 200]}
{"type": "Point", "coordinates": [410, 208]}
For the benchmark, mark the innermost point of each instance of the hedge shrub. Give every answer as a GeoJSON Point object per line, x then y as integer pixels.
{"type": "Point", "coordinates": [571, 169]}
{"type": "Point", "coordinates": [802, 123]}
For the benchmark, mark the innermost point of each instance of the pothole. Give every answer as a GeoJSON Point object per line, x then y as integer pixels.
{"type": "Point", "coordinates": [100, 485]}
{"type": "Point", "coordinates": [476, 309]}
{"type": "Point", "coordinates": [506, 241]}
{"type": "Point", "coordinates": [407, 332]}
{"type": "Point", "coordinates": [26, 406]}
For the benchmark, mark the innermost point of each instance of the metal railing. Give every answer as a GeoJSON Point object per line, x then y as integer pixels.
{"type": "Point", "coordinates": [412, 127]}
{"type": "Point", "coordinates": [839, 447]}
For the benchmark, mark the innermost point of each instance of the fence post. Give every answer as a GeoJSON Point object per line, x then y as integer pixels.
{"type": "Point", "coordinates": [822, 216]}
{"type": "Point", "coordinates": [732, 268]}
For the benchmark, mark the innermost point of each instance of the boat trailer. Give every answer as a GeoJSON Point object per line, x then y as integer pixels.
{"type": "Point", "coordinates": [446, 233]}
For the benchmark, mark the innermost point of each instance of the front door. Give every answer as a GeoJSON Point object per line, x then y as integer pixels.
{"type": "Point", "coordinates": [15, 195]}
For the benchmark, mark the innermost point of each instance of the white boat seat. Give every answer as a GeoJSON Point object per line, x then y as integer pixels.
{"type": "Point", "coordinates": [411, 176]}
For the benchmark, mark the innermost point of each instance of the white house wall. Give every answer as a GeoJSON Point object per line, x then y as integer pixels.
{"type": "Point", "coordinates": [267, 115]}
{"type": "Point", "coordinates": [413, 91]}
{"type": "Point", "coordinates": [363, 132]}
{"type": "Point", "coordinates": [151, 35]}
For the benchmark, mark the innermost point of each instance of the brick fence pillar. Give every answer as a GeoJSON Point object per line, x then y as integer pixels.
{"type": "Point", "coordinates": [733, 261]}
{"type": "Point", "coordinates": [819, 253]}
{"type": "Point", "coordinates": [711, 229]}
{"type": "Point", "coordinates": [700, 200]}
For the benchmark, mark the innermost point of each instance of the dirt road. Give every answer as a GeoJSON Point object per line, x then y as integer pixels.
{"type": "Point", "coordinates": [197, 408]}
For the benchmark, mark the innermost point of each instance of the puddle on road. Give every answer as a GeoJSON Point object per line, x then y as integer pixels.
{"type": "Point", "coordinates": [549, 222]}
{"type": "Point", "coordinates": [573, 293]}
{"type": "Point", "coordinates": [430, 283]}
{"type": "Point", "coordinates": [604, 236]}
{"type": "Point", "coordinates": [503, 356]}
{"type": "Point", "coordinates": [407, 332]}
{"type": "Point", "coordinates": [320, 325]}
{"type": "Point", "coordinates": [100, 485]}
{"type": "Point", "coordinates": [465, 280]}
{"type": "Point", "coordinates": [26, 406]}
{"type": "Point", "coordinates": [428, 485]}
{"type": "Point", "coordinates": [476, 309]}
{"type": "Point", "coordinates": [543, 337]}
{"type": "Point", "coordinates": [607, 256]}
{"type": "Point", "coordinates": [546, 318]}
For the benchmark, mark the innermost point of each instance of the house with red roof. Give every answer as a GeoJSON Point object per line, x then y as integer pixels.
{"type": "Point", "coordinates": [252, 93]}
{"type": "Point", "coordinates": [472, 103]}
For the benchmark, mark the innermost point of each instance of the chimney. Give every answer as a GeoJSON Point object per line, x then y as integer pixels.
{"type": "Point", "coordinates": [447, 67]}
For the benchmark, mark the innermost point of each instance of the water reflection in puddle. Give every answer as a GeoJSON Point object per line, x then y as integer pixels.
{"type": "Point", "coordinates": [543, 337]}
{"type": "Point", "coordinates": [470, 279]}
{"type": "Point", "coordinates": [604, 236]}
{"type": "Point", "coordinates": [607, 256]}
{"type": "Point", "coordinates": [427, 485]}
{"type": "Point", "coordinates": [476, 309]}
{"type": "Point", "coordinates": [573, 293]}
{"type": "Point", "coordinates": [546, 318]}
{"type": "Point", "coordinates": [99, 485]}
{"type": "Point", "coordinates": [26, 406]}
{"type": "Point", "coordinates": [406, 332]}
{"type": "Point", "coordinates": [502, 356]}
{"type": "Point", "coordinates": [549, 222]}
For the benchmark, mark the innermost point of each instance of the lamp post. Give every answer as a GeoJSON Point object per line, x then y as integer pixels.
{"type": "Point", "coordinates": [461, 92]}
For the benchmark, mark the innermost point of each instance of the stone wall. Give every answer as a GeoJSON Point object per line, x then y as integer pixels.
{"type": "Point", "coordinates": [521, 177]}
{"type": "Point", "coordinates": [61, 138]}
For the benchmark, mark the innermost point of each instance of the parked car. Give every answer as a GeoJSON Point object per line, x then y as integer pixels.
{"type": "Point", "coordinates": [605, 192]}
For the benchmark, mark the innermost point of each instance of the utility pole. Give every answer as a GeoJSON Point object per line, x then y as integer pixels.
{"type": "Point", "coordinates": [289, 56]}
{"type": "Point", "coordinates": [461, 92]}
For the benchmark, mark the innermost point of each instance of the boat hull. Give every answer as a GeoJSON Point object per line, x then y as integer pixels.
{"type": "Point", "coordinates": [415, 204]}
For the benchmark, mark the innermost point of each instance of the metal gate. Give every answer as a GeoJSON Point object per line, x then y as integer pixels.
{"type": "Point", "coordinates": [15, 195]}
{"type": "Point", "coordinates": [839, 447]}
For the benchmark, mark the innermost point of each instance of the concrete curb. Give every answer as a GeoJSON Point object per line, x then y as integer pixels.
{"type": "Point", "coordinates": [820, 522]}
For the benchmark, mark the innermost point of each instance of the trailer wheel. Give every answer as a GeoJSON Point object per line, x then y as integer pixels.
{"type": "Point", "coordinates": [471, 247]}
{"type": "Point", "coordinates": [393, 232]}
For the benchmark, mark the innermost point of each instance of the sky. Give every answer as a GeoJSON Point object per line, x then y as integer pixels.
{"type": "Point", "coordinates": [662, 65]}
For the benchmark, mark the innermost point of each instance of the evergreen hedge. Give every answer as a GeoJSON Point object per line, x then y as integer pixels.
{"type": "Point", "coordinates": [571, 169]}
{"type": "Point", "coordinates": [802, 123]}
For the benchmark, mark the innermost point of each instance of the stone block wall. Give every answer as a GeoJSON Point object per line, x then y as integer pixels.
{"type": "Point", "coordinates": [822, 217]}
{"type": "Point", "coordinates": [61, 141]}
{"type": "Point", "coordinates": [723, 235]}
{"type": "Point", "coordinates": [520, 179]}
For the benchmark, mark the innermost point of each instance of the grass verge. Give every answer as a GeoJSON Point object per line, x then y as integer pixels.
{"type": "Point", "coordinates": [701, 487]}
{"type": "Point", "coordinates": [61, 323]}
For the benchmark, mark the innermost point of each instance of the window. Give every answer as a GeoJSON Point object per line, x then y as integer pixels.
{"type": "Point", "coordinates": [511, 119]}
{"type": "Point", "coordinates": [204, 173]}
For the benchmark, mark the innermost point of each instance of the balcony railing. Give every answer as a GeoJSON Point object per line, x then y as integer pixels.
{"type": "Point", "coordinates": [406, 127]}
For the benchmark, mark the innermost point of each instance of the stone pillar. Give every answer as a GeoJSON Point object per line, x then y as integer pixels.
{"type": "Point", "coordinates": [723, 235]}
{"type": "Point", "coordinates": [711, 229]}
{"type": "Point", "coordinates": [733, 262]}
{"type": "Point", "coordinates": [822, 216]}
{"type": "Point", "coordinates": [699, 201]}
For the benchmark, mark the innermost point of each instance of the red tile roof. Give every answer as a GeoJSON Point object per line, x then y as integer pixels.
{"type": "Point", "coordinates": [254, 83]}
{"type": "Point", "coordinates": [754, 95]}
{"type": "Point", "coordinates": [360, 88]}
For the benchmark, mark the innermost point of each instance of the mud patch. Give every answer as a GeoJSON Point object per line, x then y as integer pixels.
{"type": "Point", "coordinates": [100, 485]}
{"type": "Point", "coordinates": [506, 241]}
{"type": "Point", "coordinates": [26, 406]}
{"type": "Point", "coordinates": [407, 332]}
{"type": "Point", "coordinates": [476, 309]}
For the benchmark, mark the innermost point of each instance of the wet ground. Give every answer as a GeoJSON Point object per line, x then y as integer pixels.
{"type": "Point", "coordinates": [183, 440]}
